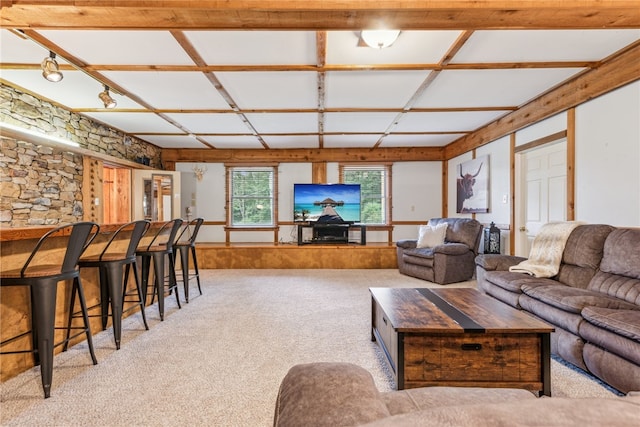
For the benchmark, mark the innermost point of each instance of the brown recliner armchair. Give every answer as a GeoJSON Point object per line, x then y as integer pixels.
{"type": "Point", "coordinates": [450, 262]}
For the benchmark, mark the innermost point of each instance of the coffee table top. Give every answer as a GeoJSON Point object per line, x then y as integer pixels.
{"type": "Point", "coordinates": [453, 310]}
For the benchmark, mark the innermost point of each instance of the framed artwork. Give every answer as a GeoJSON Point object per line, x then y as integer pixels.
{"type": "Point", "coordinates": [473, 186]}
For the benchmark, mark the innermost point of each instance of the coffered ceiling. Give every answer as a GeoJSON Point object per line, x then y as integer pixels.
{"type": "Point", "coordinates": [269, 75]}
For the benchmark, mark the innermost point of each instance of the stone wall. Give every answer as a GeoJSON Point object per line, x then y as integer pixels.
{"type": "Point", "coordinates": [40, 185]}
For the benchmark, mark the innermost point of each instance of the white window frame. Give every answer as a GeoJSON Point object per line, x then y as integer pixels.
{"type": "Point", "coordinates": [385, 194]}
{"type": "Point", "coordinates": [230, 169]}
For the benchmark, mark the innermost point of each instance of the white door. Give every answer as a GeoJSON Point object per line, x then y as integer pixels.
{"type": "Point", "coordinates": [543, 191]}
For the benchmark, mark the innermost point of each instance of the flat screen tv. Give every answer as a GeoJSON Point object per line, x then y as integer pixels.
{"type": "Point", "coordinates": [326, 203]}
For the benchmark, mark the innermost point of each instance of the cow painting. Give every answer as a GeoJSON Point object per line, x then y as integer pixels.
{"type": "Point", "coordinates": [466, 181]}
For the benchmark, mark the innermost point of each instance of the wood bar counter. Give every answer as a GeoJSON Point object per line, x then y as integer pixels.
{"type": "Point", "coordinates": [15, 317]}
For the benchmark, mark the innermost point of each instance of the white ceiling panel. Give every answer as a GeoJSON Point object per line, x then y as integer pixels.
{"type": "Point", "coordinates": [543, 45]}
{"type": "Point", "coordinates": [233, 141]}
{"type": "Point", "coordinates": [284, 122]}
{"type": "Point", "coordinates": [269, 78]}
{"type": "Point", "coordinates": [358, 122]}
{"type": "Point", "coordinates": [255, 47]}
{"type": "Point", "coordinates": [290, 141]}
{"type": "Point", "coordinates": [490, 88]}
{"type": "Point", "coordinates": [371, 89]}
{"type": "Point", "coordinates": [445, 121]}
{"type": "Point", "coordinates": [15, 49]}
{"type": "Point", "coordinates": [75, 90]}
{"type": "Point", "coordinates": [271, 89]}
{"type": "Point", "coordinates": [171, 89]}
{"type": "Point", "coordinates": [121, 47]}
{"type": "Point", "coordinates": [173, 141]}
{"type": "Point", "coordinates": [411, 47]}
{"type": "Point", "coordinates": [346, 141]}
{"type": "Point", "coordinates": [395, 140]}
{"type": "Point", "coordinates": [210, 122]}
{"type": "Point", "coordinates": [135, 122]}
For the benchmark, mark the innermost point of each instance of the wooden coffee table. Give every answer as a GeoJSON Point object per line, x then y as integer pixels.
{"type": "Point", "coordinates": [459, 337]}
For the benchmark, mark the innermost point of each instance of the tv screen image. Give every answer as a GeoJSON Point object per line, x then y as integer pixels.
{"type": "Point", "coordinates": [326, 203]}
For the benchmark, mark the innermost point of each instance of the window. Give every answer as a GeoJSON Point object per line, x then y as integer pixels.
{"type": "Point", "coordinates": [375, 181]}
{"type": "Point", "coordinates": [251, 193]}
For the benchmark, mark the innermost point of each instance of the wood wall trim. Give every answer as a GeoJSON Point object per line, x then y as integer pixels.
{"type": "Point", "coordinates": [445, 189]}
{"type": "Point", "coordinates": [512, 183]}
{"type": "Point", "coordinates": [571, 164]}
{"type": "Point", "coordinates": [540, 141]}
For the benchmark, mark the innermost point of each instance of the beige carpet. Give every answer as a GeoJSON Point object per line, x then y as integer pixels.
{"type": "Point", "coordinates": [219, 360]}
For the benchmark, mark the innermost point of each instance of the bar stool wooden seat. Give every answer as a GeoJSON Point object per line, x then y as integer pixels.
{"type": "Point", "coordinates": [185, 248]}
{"type": "Point", "coordinates": [159, 248]}
{"type": "Point", "coordinates": [42, 272]}
{"type": "Point", "coordinates": [112, 262]}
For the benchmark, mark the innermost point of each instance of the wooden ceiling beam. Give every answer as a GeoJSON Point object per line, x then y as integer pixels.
{"type": "Point", "coordinates": [612, 74]}
{"type": "Point", "coordinates": [318, 14]}
{"type": "Point", "coordinates": [304, 155]}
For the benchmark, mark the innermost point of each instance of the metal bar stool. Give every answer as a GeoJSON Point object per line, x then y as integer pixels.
{"type": "Point", "coordinates": [112, 262]}
{"type": "Point", "coordinates": [42, 274]}
{"type": "Point", "coordinates": [184, 247]}
{"type": "Point", "coordinates": [161, 246]}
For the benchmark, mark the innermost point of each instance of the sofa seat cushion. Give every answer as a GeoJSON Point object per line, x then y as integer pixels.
{"type": "Point", "coordinates": [621, 322]}
{"type": "Point", "coordinates": [555, 316]}
{"type": "Point", "coordinates": [513, 282]}
{"type": "Point", "coordinates": [418, 399]}
{"type": "Point", "coordinates": [573, 300]}
{"type": "Point", "coordinates": [419, 256]}
{"type": "Point", "coordinates": [555, 411]}
{"type": "Point", "coordinates": [613, 343]}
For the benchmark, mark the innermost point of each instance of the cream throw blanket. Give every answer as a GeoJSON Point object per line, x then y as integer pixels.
{"type": "Point", "coordinates": [546, 250]}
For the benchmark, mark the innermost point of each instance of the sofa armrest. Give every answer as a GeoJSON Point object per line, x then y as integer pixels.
{"type": "Point", "coordinates": [328, 394]}
{"type": "Point", "coordinates": [495, 262]}
{"type": "Point", "coordinates": [407, 243]}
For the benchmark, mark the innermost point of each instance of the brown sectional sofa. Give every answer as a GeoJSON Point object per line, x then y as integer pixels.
{"type": "Point", "coordinates": [593, 301]}
{"type": "Point", "coordinates": [343, 394]}
{"type": "Point", "coordinates": [447, 263]}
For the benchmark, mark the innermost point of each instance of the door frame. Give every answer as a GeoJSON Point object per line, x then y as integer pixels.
{"type": "Point", "coordinates": [517, 176]}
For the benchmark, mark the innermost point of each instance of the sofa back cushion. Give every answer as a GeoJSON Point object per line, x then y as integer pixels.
{"type": "Point", "coordinates": [582, 254]}
{"type": "Point", "coordinates": [619, 274]}
{"type": "Point", "coordinates": [461, 230]}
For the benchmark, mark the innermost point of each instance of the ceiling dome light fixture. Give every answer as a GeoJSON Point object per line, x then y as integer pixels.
{"type": "Point", "coordinates": [51, 69]}
{"type": "Point", "coordinates": [106, 99]}
{"type": "Point", "coordinates": [379, 39]}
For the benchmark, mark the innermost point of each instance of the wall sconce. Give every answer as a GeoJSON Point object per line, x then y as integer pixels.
{"type": "Point", "coordinates": [379, 39]}
{"type": "Point", "coordinates": [106, 99]}
{"type": "Point", "coordinates": [198, 172]}
{"type": "Point", "coordinates": [51, 69]}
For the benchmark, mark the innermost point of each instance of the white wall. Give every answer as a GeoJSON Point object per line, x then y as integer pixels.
{"type": "Point", "coordinates": [541, 129]}
{"type": "Point", "coordinates": [417, 195]}
{"type": "Point", "coordinates": [608, 158]}
{"type": "Point", "coordinates": [607, 176]}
